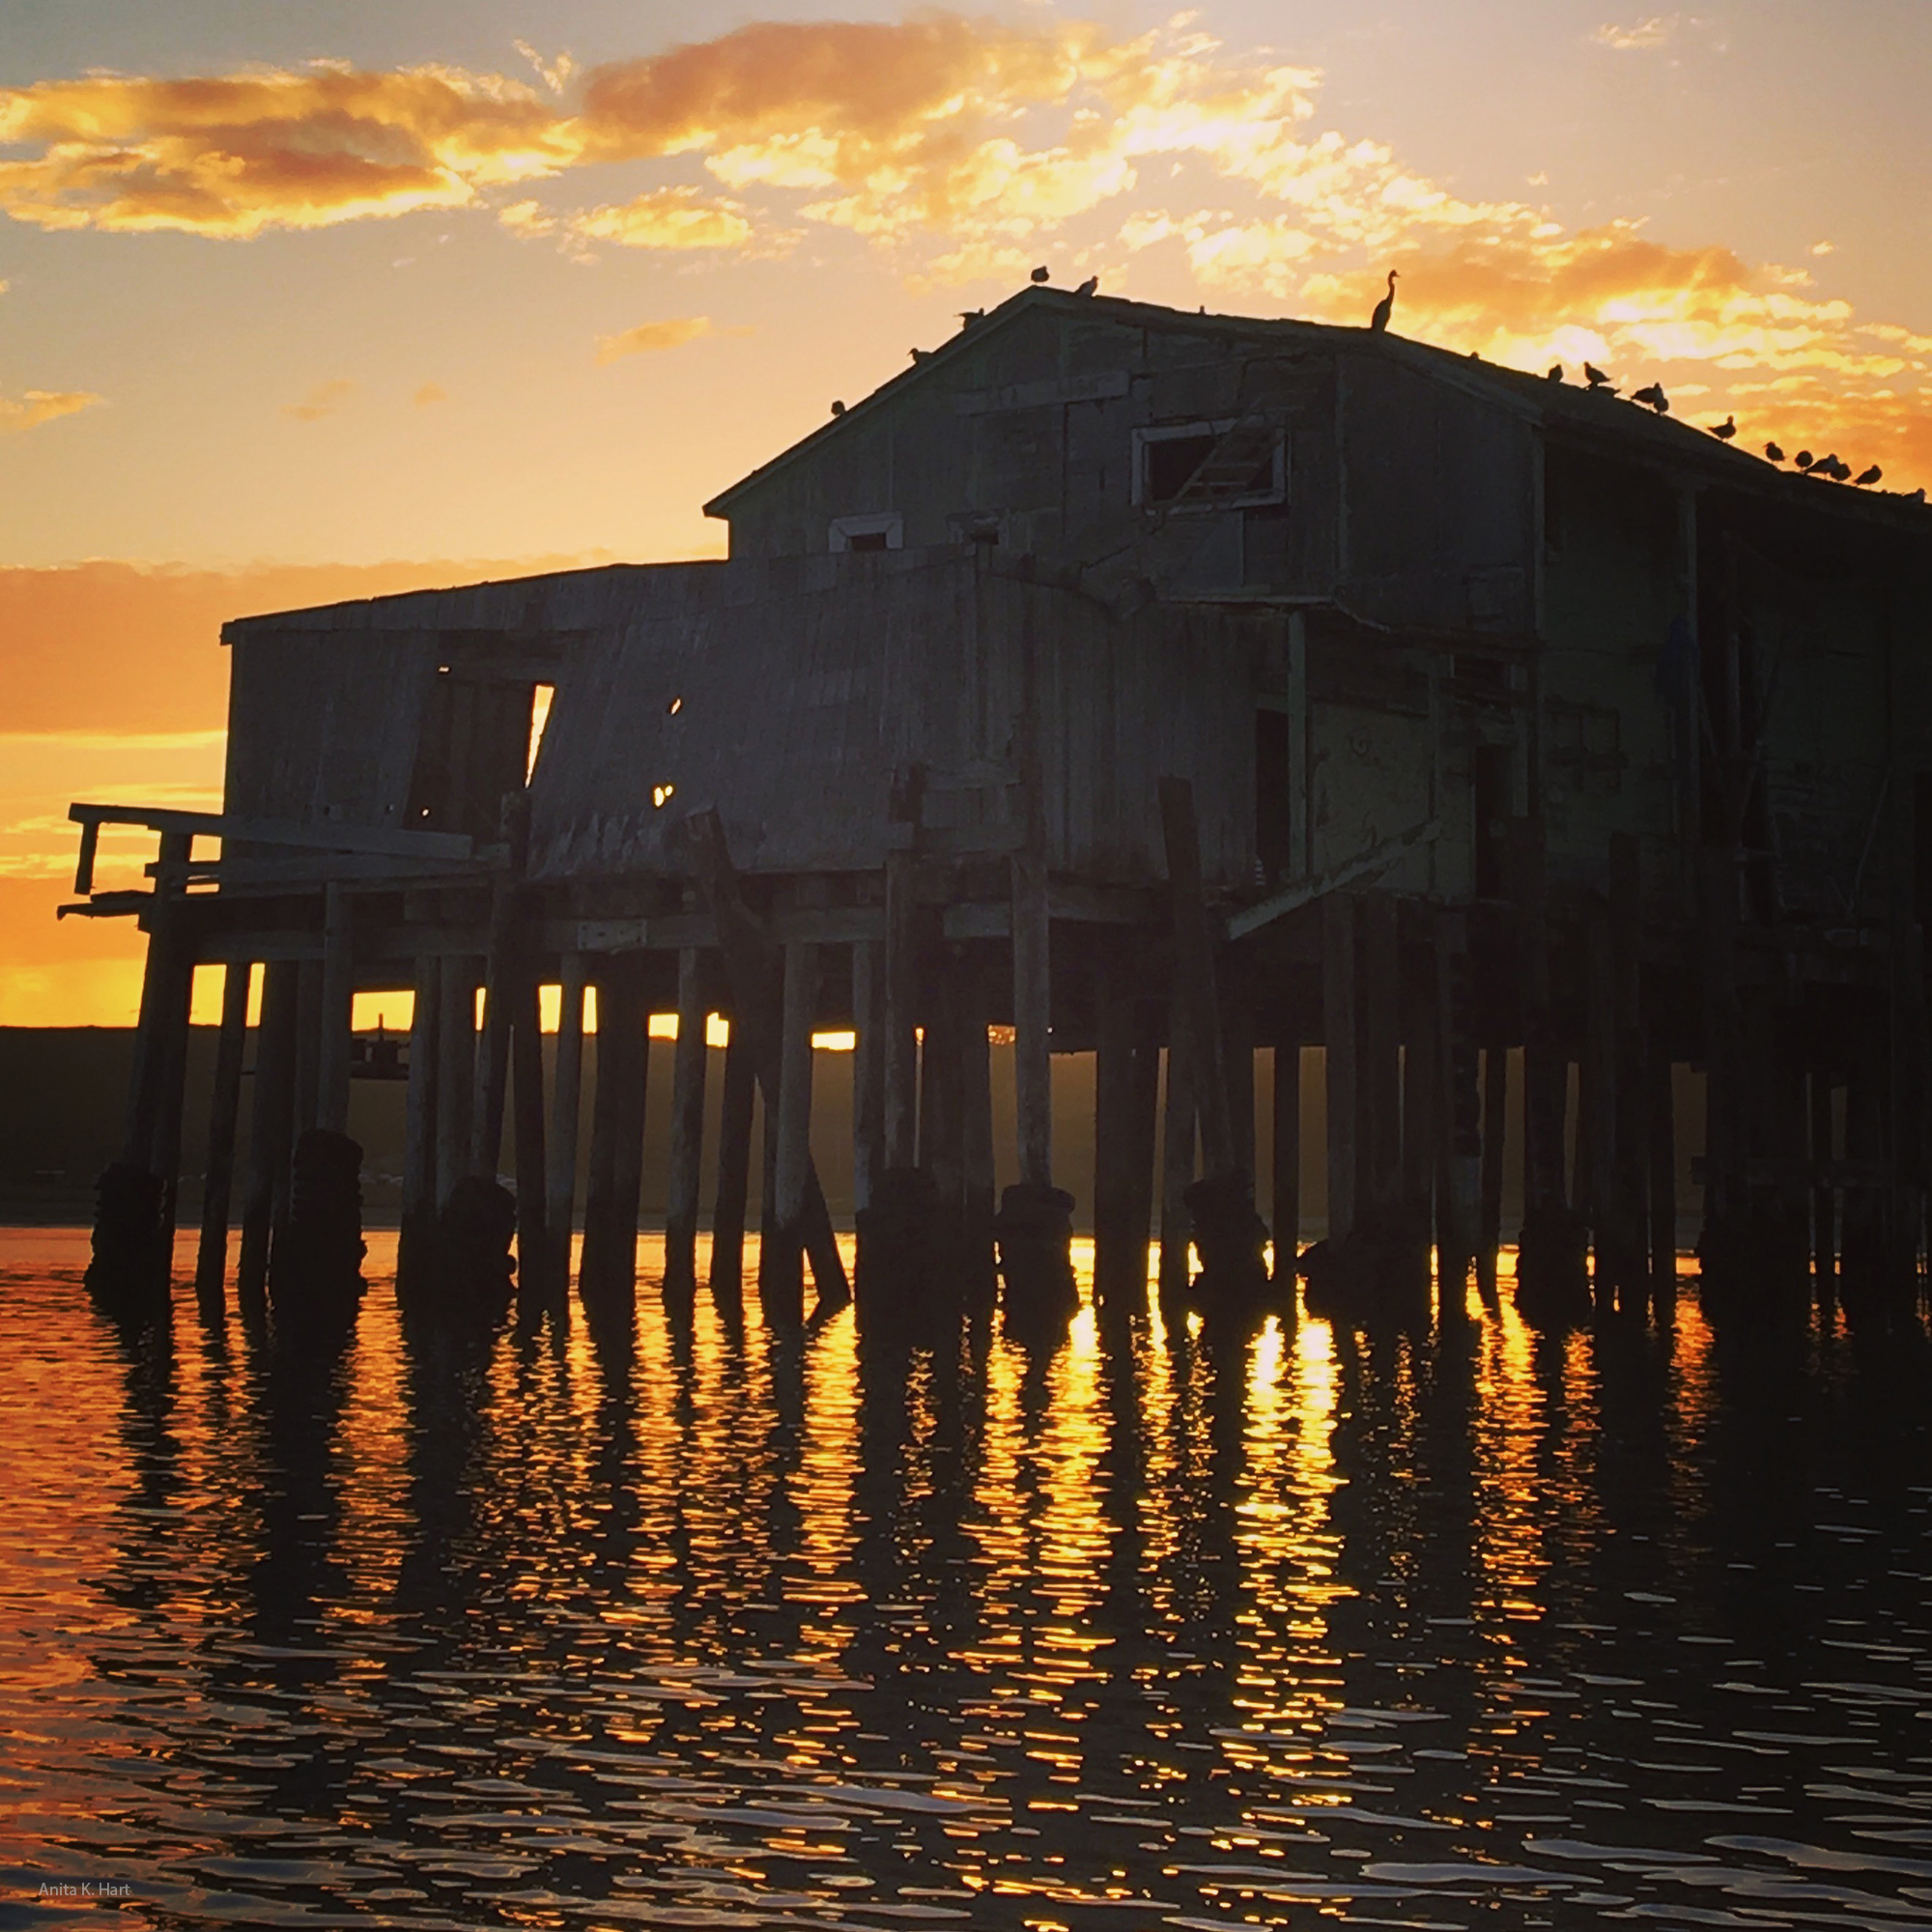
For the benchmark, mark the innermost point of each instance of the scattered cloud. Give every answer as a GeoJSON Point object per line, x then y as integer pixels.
{"type": "Point", "coordinates": [430, 392]}
{"type": "Point", "coordinates": [324, 400]}
{"type": "Point", "coordinates": [41, 405]}
{"type": "Point", "coordinates": [1824, 247]}
{"type": "Point", "coordinates": [650, 337]}
{"type": "Point", "coordinates": [1657, 31]}
{"type": "Point", "coordinates": [668, 217]}
{"type": "Point", "coordinates": [959, 149]}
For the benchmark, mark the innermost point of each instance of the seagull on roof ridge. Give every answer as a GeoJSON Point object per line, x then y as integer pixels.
{"type": "Point", "coordinates": [1803, 460]}
{"type": "Point", "coordinates": [1041, 274]}
{"type": "Point", "coordinates": [1773, 453]}
{"type": "Point", "coordinates": [1654, 396]}
{"type": "Point", "coordinates": [1597, 380]}
{"type": "Point", "coordinates": [1870, 475]}
{"type": "Point", "coordinates": [1554, 373]}
{"type": "Point", "coordinates": [1725, 430]}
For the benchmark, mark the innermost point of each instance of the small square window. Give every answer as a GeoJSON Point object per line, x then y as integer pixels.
{"type": "Point", "coordinates": [885, 530]}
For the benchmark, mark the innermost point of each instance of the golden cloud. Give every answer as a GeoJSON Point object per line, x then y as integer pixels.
{"type": "Point", "coordinates": [321, 401]}
{"type": "Point", "coordinates": [958, 146]}
{"type": "Point", "coordinates": [430, 392]}
{"type": "Point", "coordinates": [231, 155]}
{"type": "Point", "coordinates": [650, 337]}
{"type": "Point", "coordinates": [41, 405]}
{"type": "Point", "coordinates": [670, 217]}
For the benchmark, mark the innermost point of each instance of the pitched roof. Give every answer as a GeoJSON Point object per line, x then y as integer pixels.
{"type": "Point", "coordinates": [1565, 408]}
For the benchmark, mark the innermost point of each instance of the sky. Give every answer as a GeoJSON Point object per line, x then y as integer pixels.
{"type": "Point", "coordinates": [307, 301]}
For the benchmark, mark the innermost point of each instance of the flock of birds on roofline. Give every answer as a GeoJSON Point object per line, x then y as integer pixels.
{"type": "Point", "coordinates": [1597, 383]}
{"type": "Point", "coordinates": [1652, 397]}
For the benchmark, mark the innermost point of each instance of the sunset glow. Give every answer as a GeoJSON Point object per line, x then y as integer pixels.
{"type": "Point", "coordinates": [332, 305]}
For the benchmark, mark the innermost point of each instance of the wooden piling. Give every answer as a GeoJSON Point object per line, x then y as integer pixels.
{"type": "Point", "coordinates": [607, 1271]}
{"type": "Point", "coordinates": [270, 1120]}
{"type": "Point", "coordinates": [1823, 1200]}
{"type": "Point", "coordinates": [942, 1144]}
{"type": "Point", "coordinates": [794, 1111]}
{"type": "Point", "coordinates": [1177, 1156]}
{"type": "Point", "coordinates": [1597, 1097]}
{"type": "Point", "coordinates": [1194, 977]}
{"type": "Point", "coordinates": [1033, 1063]}
{"type": "Point", "coordinates": [975, 1109]}
{"type": "Point", "coordinates": [1115, 1075]}
{"type": "Point", "coordinates": [900, 1046]}
{"type": "Point", "coordinates": [308, 1045]}
{"type": "Point", "coordinates": [734, 1168]}
{"type": "Point", "coordinates": [868, 1070]}
{"type": "Point", "coordinates": [418, 1239]}
{"type": "Point", "coordinates": [689, 1061]}
{"type": "Point", "coordinates": [455, 1073]}
{"type": "Point", "coordinates": [503, 973]}
{"type": "Point", "coordinates": [566, 1100]}
{"type": "Point", "coordinates": [1339, 1052]}
{"type": "Point", "coordinates": [1495, 1139]}
{"type": "Point", "coordinates": [336, 994]}
{"type": "Point", "coordinates": [1458, 1107]}
{"type": "Point", "coordinates": [1660, 1146]}
{"type": "Point", "coordinates": [1629, 1168]}
{"type": "Point", "coordinates": [1287, 1158]}
{"type": "Point", "coordinates": [534, 1252]}
{"type": "Point", "coordinates": [210, 1272]}
{"type": "Point", "coordinates": [1379, 1075]}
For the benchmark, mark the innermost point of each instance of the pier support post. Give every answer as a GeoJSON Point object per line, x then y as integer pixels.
{"type": "Point", "coordinates": [1228, 1235]}
{"type": "Point", "coordinates": [688, 1063]}
{"type": "Point", "coordinates": [416, 1242]}
{"type": "Point", "coordinates": [868, 1070]}
{"type": "Point", "coordinates": [135, 1213]}
{"type": "Point", "coordinates": [1287, 1158]}
{"type": "Point", "coordinates": [739, 1090]}
{"type": "Point", "coordinates": [1661, 1144]}
{"type": "Point", "coordinates": [455, 1073]}
{"type": "Point", "coordinates": [608, 1275]}
{"type": "Point", "coordinates": [1126, 1078]}
{"type": "Point", "coordinates": [1460, 1124]}
{"type": "Point", "coordinates": [224, 1110]}
{"type": "Point", "coordinates": [337, 997]}
{"type": "Point", "coordinates": [1035, 1225]}
{"type": "Point", "coordinates": [793, 1176]}
{"type": "Point", "coordinates": [270, 1139]}
{"type": "Point", "coordinates": [566, 1105]}
{"type": "Point", "coordinates": [536, 1289]}
{"type": "Point", "coordinates": [1824, 1199]}
{"type": "Point", "coordinates": [978, 1278]}
{"type": "Point", "coordinates": [1494, 1145]}
{"type": "Point", "coordinates": [1176, 1158]}
{"type": "Point", "coordinates": [1338, 1042]}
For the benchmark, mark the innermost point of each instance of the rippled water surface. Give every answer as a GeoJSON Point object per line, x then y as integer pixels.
{"type": "Point", "coordinates": [1471, 1627]}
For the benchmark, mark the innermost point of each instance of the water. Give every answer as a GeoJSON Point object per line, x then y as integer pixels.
{"type": "Point", "coordinates": [1469, 1629]}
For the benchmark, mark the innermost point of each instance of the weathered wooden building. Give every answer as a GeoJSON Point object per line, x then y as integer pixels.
{"type": "Point", "coordinates": [1144, 681]}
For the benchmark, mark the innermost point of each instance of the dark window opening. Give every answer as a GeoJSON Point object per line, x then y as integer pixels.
{"type": "Point", "coordinates": [1491, 776]}
{"type": "Point", "coordinates": [867, 540]}
{"type": "Point", "coordinates": [476, 747]}
{"type": "Point", "coordinates": [1170, 461]}
{"type": "Point", "coordinates": [1275, 821]}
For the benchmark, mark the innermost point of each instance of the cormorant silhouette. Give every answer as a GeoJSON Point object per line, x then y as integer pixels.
{"type": "Point", "coordinates": [1772, 451]}
{"type": "Point", "coordinates": [1091, 286]}
{"type": "Point", "coordinates": [1725, 430]}
{"type": "Point", "coordinates": [1041, 274]}
{"type": "Point", "coordinates": [1870, 475]}
{"type": "Point", "coordinates": [1653, 395]}
{"type": "Point", "coordinates": [1385, 307]}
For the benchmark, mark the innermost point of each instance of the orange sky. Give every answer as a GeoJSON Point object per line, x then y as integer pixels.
{"type": "Point", "coordinates": [333, 286]}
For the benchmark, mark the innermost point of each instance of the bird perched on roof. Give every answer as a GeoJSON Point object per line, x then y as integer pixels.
{"type": "Point", "coordinates": [1091, 286]}
{"type": "Point", "coordinates": [1041, 274]}
{"type": "Point", "coordinates": [1917, 495]}
{"type": "Point", "coordinates": [1597, 380]}
{"type": "Point", "coordinates": [838, 408]}
{"type": "Point", "coordinates": [1839, 471]}
{"type": "Point", "coordinates": [1803, 458]}
{"type": "Point", "coordinates": [1772, 451]}
{"type": "Point", "coordinates": [921, 354]}
{"type": "Point", "coordinates": [1653, 395]}
{"type": "Point", "coordinates": [1826, 467]}
{"type": "Point", "coordinates": [1554, 373]}
{"type": "Point", "coordinates": [969, 316]}
{"type": "Point", "coordinates": [1385, 307]}
{"type": "Point", "coordinates": [1725, 430]}
{"type": "Point", "coordinates": [1870, 475]}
